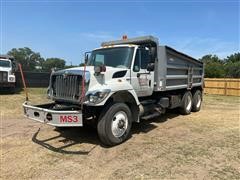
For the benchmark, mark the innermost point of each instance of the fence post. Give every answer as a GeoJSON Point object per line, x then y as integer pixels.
{"type": "Point", "coordinates": [225, 87]}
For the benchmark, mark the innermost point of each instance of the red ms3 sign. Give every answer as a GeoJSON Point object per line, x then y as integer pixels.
{"type": "Point", "coordinates": [66, 119]}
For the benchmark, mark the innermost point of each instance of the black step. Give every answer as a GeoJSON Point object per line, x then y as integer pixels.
{"type": "Point", "coordinates": [151, 116]}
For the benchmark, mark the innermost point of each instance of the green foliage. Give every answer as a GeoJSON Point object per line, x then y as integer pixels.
{"type": "Point", "coordinates": [217, 68]}
{"type": "Point", "coordinates": [232, 66]}
{"type": "Point", "coordinates": [26, 57]}
{"type": "Point", "coordinates": [232, 70]}
{"type": "Point", "coordinates": [53, 63]}
{"type": "Point", "coordinates": [208, 59]}
{"type": "Point", "coordinates": [234, 58]}
{"type": "Point", "coordinates": [69, 66]}
{"type": "Point", "coordinates": [213, 66]}
{"type": "Point", "coordinates": [214, 70]}
{"type": "Point", "coordinates": [32, 61]}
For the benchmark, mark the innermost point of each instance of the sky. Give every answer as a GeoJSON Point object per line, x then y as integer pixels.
{"type": "Point", "coordinates": [66, 29]}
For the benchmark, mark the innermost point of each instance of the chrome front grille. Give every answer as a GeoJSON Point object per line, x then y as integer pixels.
{"type": "Point", "coordinates": [67, 87]}
{"type": "Point", "coordinates": [3, 76]}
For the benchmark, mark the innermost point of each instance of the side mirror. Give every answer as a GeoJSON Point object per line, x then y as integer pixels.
{"type": "Point", "coordinates": [99, 69]}
{"type": "Point", "coordinates": [86, 59]}
{"type": "Point", "coordinates": [86, 56]}
{"type": "Point", "coordinates": [150, 67]}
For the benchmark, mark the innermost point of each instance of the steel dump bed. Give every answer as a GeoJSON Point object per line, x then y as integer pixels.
{"type": "Point", "coordinates": [175, 70]}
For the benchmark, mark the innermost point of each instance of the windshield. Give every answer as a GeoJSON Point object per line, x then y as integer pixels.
{"type": "Point", "coordinates": [4, 63]}
{"type": "Point", "coordinates": [115, 57]}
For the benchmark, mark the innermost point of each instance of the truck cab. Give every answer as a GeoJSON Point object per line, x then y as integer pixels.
{"type": "Point", "coordinates": [127, 62]}
{"type": "Point", "coordinates": [122, 82]}
{"type": "Point", "coordinates": [7, 76]}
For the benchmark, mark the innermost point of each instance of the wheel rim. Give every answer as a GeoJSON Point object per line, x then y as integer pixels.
{"type": "Point", "coordinates": [199, 100]}
{"type": "Point", "coordinates": [119, 124]}
{"type": "Point", "coordinates": [189, 103]}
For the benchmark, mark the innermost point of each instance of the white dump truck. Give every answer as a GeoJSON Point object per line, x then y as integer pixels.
{"type": "Point", "coordinates": [123, 81]}
{"type": "Point", "coordinates": [7, 69]}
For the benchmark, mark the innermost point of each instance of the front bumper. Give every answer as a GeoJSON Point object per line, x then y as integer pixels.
{"type": "Point", "coordinates": [58, 118]}
{"type": "Point", "coordinates": [7, 84]}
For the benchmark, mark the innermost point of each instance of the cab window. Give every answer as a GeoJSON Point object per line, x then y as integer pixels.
{"type": "Point", "coordinates": [137, 62]}
{"type": "Point", "coordinates": [145, 58]}
{"type": "Point", "coordinates": [142, 59]}
{"type": "Point", "coordinates": [99, 59]}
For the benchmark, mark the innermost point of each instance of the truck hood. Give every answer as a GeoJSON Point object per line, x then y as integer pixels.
{"type": "Point", "coordinates": [90, 72]}
{"type": "Point", "coordinates": [90, 77]}
{"type": "Point", "coordinates": [109, 69]}
{"type": "Point", "coordinates": [7, 69]}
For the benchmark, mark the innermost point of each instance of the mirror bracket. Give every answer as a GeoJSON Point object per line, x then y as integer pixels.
{"type": "Point", "coordinates": [150, 67]}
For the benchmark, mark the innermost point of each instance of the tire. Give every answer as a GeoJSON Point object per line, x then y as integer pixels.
{"type": "Point", "coordinates": [186, 104]}
{"type": "Point", "coordinates": [197, 101]}
{"type": "Point", "coordinates": [114, 124]}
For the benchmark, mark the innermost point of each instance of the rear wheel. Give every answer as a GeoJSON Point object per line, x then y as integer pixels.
{"type": "Point", "coordinates": [197, 101]}
{"type": "Point", "coordinates": [114, 124]}
{"type": "Point", "coordinates": [186, 104]}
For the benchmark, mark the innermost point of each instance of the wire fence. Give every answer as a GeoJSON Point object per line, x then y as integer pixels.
{"type": "Point", "coordinates": [33, 79]}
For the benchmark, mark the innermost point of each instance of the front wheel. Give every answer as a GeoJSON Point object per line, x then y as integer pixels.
{"type": "Point", "coordinates": [114, 124]}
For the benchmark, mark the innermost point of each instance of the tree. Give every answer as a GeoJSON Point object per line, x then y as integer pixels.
{"type": "Point", "coordinates": [53, 63]}
{"type": "Point", "coordinates": [233, 58]}
{"type": "Point", "coordinates": [232, 66]}
{"type": "Point", "coordinates": [28, 58]}
{"type": "Point", "coordinates": [214, 67]}
{"type": "Point", "coordinates": [70, 66]}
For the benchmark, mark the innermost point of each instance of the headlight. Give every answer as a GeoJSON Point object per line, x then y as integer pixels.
{"type": "Point", "coordinates": [11, 79]}
{"type": "Point", "coordinates": [98, 96]}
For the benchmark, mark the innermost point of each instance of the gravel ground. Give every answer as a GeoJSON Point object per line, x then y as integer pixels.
{"type": "Point", "coordinates": [203, 145]}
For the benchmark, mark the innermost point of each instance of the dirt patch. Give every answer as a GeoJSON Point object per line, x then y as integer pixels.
{"type": "Point", "coordinates": [202, 145]}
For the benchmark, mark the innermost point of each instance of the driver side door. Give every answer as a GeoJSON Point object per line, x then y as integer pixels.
{"type": "Point", "coordinates": [141, 79]}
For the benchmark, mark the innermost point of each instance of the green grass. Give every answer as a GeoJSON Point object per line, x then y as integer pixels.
{"type": "Point", "coordinates": [203, 145]}
{"type": "Point", "coordinates": [220, 98]}
{"type": "Point", "coordinates": [11, 104]}
{"type": "Point", "coordinates": [38, 91]}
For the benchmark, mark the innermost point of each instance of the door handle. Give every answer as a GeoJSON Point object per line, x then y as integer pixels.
{"type": "Point", "coordinates": [138, 74]}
